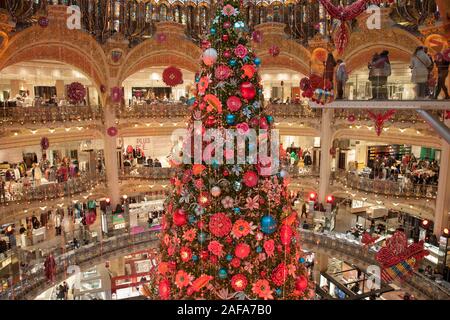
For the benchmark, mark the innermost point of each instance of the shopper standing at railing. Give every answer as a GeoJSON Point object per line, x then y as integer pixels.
{"type": "Point", "coordinates": [341, 79]}
{"type": "Point", "coordinates": [420, 63]}
{"type": "Point", "coordinates": [442, 67]}
{"type": "Point", "coordinates": [330, 64]}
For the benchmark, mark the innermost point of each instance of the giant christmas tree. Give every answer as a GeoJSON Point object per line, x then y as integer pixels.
{"type": "Point", "coordinates": [229, 231]}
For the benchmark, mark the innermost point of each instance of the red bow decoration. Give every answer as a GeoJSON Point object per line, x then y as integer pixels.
{"type": "Point", "coordinates": [447, 114]}
{"type": "Point", "coordinates": [379, 119]}
{"type": "Point", "coordinates": [344, 14]}
{"type": "Point", "coordinates": [172, 76]}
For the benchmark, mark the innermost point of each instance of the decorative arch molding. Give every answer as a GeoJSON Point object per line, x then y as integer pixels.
{"type": "Point", "coordinates": [387, 137]}
{"type": "Point", "coordinates": [292, 55]}
{"type": "Point", "coordinates": [175, 50]}
{"type": "Point", "coordinates": [362, 45]}
{"type": "Point", "coordinates": [56, 42]}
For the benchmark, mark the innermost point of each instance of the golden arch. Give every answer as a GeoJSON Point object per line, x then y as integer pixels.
{"type": "Point", "coordinates": [71, 47]}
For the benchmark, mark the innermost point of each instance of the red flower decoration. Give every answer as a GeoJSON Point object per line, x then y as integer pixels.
{"type": "Point", "coordinates": [185, 254]}
{"type": "Point", "coordinates": [274, 51]}
{"type": "Point", "coordinates": [235, 263]}
{"type": "Point", "coordinates": [161, 37]}
{"type": "Point", "coordinates": [279, 274]}
{"type": "Point", "coordinates": [234, 103]}
{"type": "Point", "coordinates": [242, 250]}
{"type": "Point", "coordinates": [220, 225]}
{"type": "Point", "coordinates": [112, 131]}
{"type": "Point", "coordinates": [216, 248]}
{"type": "Point", "coordinates": [203, 199]}
{"type": "Point", "coordinates": [222, 72]}
{"type": "Point", "coordinates": [172, 76]}
{"type": "Point", "coordinates": [351, 118]}
{"type": "Point", "coordinates": [239, 282]}
{"type": "Point", "coordinates": [164, 289]}
{"type": "Point", "coordinates": [269, 247]}
{"type": "Point", "coordinates": [242, 128]}
{"type": "Point", "coordinates": [250, 179]}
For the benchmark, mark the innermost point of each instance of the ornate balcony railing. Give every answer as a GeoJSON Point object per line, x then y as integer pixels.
{"type": "Point", "coordinates": [385, 187]}
{"type": "Point", "coordinates": [168, 110]}
{"type": "Point", "coordinates": [10, 114]}
{"type": "Point", "coordinates": [401, 116]}
{"type": "Point", "coordinates": [34, 280]}
{"type": "Point", "coordinates": [339, 245]}
{"type": "Point", "coordinates": [53, 190]}
{"type": "Point", "coordinates": [150, 173]}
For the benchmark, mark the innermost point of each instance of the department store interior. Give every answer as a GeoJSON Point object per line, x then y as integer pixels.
{"type": "Point", "coordinates": [88, 154]}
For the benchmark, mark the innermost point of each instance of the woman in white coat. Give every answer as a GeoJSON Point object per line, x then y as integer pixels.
{"type": "Point", "coordinates": [420, 64]}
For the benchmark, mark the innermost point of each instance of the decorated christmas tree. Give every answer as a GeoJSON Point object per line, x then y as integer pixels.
{"type": "Point", "coordinates": [229, 230]}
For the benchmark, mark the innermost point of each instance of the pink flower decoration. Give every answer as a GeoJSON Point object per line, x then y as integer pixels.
{"type": "Point", "coordinates": [240, 51]}
{"type": "Point", "coordinates": [252, 203]}
{"type": "Point", "coordinates": [234, 103]}
{"type": "Point", "coordinates": [242, 128]}
{"type": "Point", "coordinates": [269, 247]}
{"type": "Point", "coordinates": [250, 179]}
{"type": "Point", "coordinates": [228, 202]}
{"type": "Point", "coordinates": [229, 10]}
{"type": "Point", "coordinates": [161, 37]}
{"type": "Point", "coordinates": [222, 72]}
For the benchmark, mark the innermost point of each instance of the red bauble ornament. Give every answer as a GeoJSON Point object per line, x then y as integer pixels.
{"type": "Point", "coordinates": [227, 54]}
{"type": "Point", "coordinates": [351, 118]}
{"type": "Point", "coordinates": [76, 92]}
{"type": "Point", "coordinates": [226, 24]}
{"type": "Point", "coordinates": [247, 90]}
{"type": "Point", "coordinates": [301, 283]}
{"type": "Point", "coordinates": [172, 76]}
{"type": "Point", "coordinates": [200, 225]}
{"type": "Point", "coordinates": [254, 122]}
{"type": "Point", "coordinates": [285, 234]}
{"type": "Point", "coordinates": [225, 37]}
{"type": "Point", "coordinates": [226, 173]}
{"type": "Point", "coordinates": [263, 124]}
{"type": "Point", "coordinates": [235, 263]}
{"type": "Point", "coordinates": [204, 255]}
{"type": "Point", "coordinates": [179, 218]}
{"type": "Point", "coordinates": [305, 84]}
{"type": "Point", "coordinates": [112, 131]}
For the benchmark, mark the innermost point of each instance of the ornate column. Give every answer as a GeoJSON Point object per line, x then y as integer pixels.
{"type": "Point", "coordinates": [326, 136]}
{"type": "Point", "coordinates": [320, 265]}
{"type": "Point", "coordinates": [15, 87]}
{"type": "Point", "coordinates": [60, 89]}
{"type": "Point", "coordinates": [441, 216]}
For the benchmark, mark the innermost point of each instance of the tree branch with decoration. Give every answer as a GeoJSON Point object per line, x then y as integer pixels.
{"type": "Point", "coordinates": [230, 232]}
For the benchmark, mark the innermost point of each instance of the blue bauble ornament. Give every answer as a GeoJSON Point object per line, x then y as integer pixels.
{"type": "Point", "coordinates": [212, 31]}
{"type": "Point", "coordinates": [257, 61]}
{"type": "Point", "coordinates": [278, 291]}
{"type": "Point", "coordinates": [232, 62]}
{"type": "Point", "coordinates": [229, 257]}
{"type": "Point", "coordinates": [230, 119]}
{"type": "Point", "coordinates": [223, 273]}
{"type": "Point", "coordinates": [301, 260]}
{"type": "Point", "coordinates": [237, 186]}
{"type": "Point", "coordinates": [283, 173]}
{"type": "Point", "coordinates": [201, 237]}
{"type": "Point", "coordinates": [259, 249]}
{"type": "Point", "coordinates": [237, 210]}
{"type": "Point", "coordinates": [269, 119]}
{"type": "Point", "coordinates": [215, 163]}
{"type": "Point", "coordinates": [192, 219]}
{"type": "Point", "coordinates": [239, 25]}
{"type": "Point", "coordinates": [259, 91]}
{"type": "Point", "coordinates": [190, 101]}
{"type": "Point", "coordinates": [194, 258]}
{"type": "Point", "coordinates": [268, 224]}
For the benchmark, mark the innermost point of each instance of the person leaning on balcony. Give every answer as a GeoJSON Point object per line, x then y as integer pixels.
{"type": "Point", "coordinates": [2, 190]}
{"type": "Point", "coordinates": [341, 79]}
{"type": "Point", "coordinates": [442, 67]}
{"type": "Point", "coordinates": [420, 63]}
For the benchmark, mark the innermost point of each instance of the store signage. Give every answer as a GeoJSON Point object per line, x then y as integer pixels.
{"type": "Point", "coordinates": [119, 226]}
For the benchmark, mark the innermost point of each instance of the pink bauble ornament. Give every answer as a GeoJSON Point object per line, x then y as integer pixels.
{"type": "Point", "coordinates": [247, 90]}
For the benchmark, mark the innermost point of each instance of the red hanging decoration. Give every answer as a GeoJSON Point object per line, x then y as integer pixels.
{"type": "Point", "coordinates": [447, 114]}
{"type": "Point", "coordinates": [344, 14]}
{"type": "Point", "coordinates": [380, 119]}
{"type": "Point", "coordinates": [43, 22]}
{"type": "Point", "coordinates": [398, 259]}
{"type": "Point", "coordinates": [172, 76]}
{"type": "Point", "coordinates": [161, 37]}
{"type": "Point", "coordinates": [45, 143]}
{"type": "Point", "coordinates": [116, 94]}
{"type": "Point", "coordinates": [76, 92]}
{"type": "Point", "coordinates": [112, 131]}
{"type": "Point", "coordinates": [351, 118]}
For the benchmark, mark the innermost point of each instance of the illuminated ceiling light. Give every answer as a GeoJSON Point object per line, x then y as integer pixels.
{"type": "Point", "coordinates": [136, 125]}
{"type": "Point", "coordinates": [277, 123]}
{"type": "Point", "coordinates": [350, 127]}
{"type": "Point", "coordinates": [418, 132]}
{"type": "Point", "coordinates": [80, 128]}
{"type": "Point", "coordinates": [402, 130]}
{"type": "Point", "coordinates": [385, 129]}
{"type": "Point", "coordinates": [175, 124]}
{"type": "Point", "coordinates": [369, 127]}
{"type": "Point", "coordinates": [33, 131]}
{"type": "Point", "coordinates": [67, 129]}
{"type": "Point", "coordinates": [148, 124]}
{"type": "Point", "coordinates": [161, 124]}
{"type": "Point", "coordinates": [358, 127]}
{"type": "Point", "coordinates": [290, 124]}
{"type": "Point", "coordinates": [16, 134]}
{"type": "Point", "coordinates": [51, 130]}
